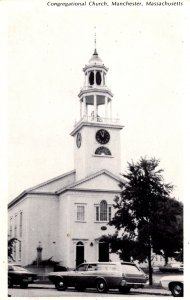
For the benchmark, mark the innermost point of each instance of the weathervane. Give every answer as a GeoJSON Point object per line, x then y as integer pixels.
{"type": "Point", "coordinates": [95, 52]}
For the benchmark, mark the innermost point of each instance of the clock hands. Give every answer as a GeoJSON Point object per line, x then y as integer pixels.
{"type": "Point", "coordinates": [102, 133]}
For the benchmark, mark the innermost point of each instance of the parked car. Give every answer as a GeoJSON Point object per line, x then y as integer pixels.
{"type": "Point", "coordinates": [18, 275]}
{"type": "Point", "coordinates": [102, 276]}
{"type": "Point", "coordinates": [172, 267]}
{"type": "Point", "coordinates": [174, 283]}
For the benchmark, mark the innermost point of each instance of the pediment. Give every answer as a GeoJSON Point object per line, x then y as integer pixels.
{"type": "Point", "coordinates": [103, 180]}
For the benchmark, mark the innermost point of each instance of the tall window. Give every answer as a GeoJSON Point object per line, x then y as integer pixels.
{"type": "Point", "coordinates": [20, 250]}
{"type": "Point", "coordinates": [14, 251]}
{"type": "Point", "coordinates": [11, 227]}
{"type": "Point", "coordinates": [97, 213]}
{"type": "Point", "coordinates": [21, 224]}
{"type": "Point", "coordinates": [109, 213]}
{"type": "Point", "coordinates": [103, 211]}
{"type": "Point", "coordinates": [15, 226]}
{"type": "Point", "coordinates": [91, 78]}
{"type": "Point", "coordinates": [80, 212]}
{"type": "Point", "coordinates": [98, 78]}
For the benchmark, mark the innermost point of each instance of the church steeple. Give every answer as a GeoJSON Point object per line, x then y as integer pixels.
{"type": "Point", "coordinates": [96, 134]}
{"type": "Point", "coordinates": [95, 97]}
{"type": "Point", "coordinates": [95, 51]}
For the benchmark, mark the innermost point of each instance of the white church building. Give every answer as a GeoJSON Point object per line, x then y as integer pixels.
{"type": "Point", "coordinates": [67, 215]}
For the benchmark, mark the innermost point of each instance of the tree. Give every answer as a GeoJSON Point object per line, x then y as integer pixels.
{"type": "Point", "coordinates": [168, 237]}
{"type": "Point", "coordinates": [140, 211]}
{"type": "Point", "coordinates": [11, 243]}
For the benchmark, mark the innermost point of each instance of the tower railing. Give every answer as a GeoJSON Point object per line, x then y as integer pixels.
{"type": "Point", "coordinates": [89, 87]}
{"type": "Point", "coordinates": [98, 119]}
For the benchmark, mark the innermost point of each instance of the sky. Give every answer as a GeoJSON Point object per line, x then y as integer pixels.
{"type": "Point", "coordinates": [47, 49]}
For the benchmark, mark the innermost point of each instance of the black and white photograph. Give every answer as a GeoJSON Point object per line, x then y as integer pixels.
{"type": "Point", "coordinates": [95, 146]}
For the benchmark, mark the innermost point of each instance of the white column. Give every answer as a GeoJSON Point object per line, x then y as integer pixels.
{"type": "Point", "coordinates": [85, 110]}
{"type": "Point", "coordinates": [106, 107]}
{"type": "Point", "coordinates": [104, 78]}
{"type": "Point", "coordinates": [85, 79]}
{"type": "Point", "coordinates": [110, 108]}
{"type": "Point", "coordinates": [95, 77]}
{"type": "Point", "coordinates": [81, 108]}
{"type": "Point", "coordinates": [95, 107]}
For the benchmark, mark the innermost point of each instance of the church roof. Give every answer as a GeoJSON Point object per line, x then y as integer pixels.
{"type": "Point", "coordinates": [65, 182]}
{"type": "Point", "coordinates": [48, 187]}
{"type": "Point", "coordinates": [80, 183]}
{"type": "Point", "coordinates": [55, 183]}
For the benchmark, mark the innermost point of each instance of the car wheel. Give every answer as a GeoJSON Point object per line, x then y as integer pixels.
{"type": "Point", "coordinates": [124, 289]}
{"type": "Point", "coordinates": [177, 289]}
{"type": "Point", "coordinates": [60, 284]}
{"type": "Point", "coordinates": [10, 282]}
{"type": "Point", "coordinates": [24, 285]}
{"type": "Point", "coordinates": [101, 286]}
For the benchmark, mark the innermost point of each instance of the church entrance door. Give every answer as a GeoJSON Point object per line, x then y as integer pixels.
{"type": "Point", "coordinates": [103, 251]}
{"type": "Point", "coordinates": [79, 253]}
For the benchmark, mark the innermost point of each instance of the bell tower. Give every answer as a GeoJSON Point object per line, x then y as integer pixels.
{"type": "Point", "coordinates": [97, 134]}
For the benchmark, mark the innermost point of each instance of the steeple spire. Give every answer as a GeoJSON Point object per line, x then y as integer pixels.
{"type": "Point", "coordinates": [95, 51]}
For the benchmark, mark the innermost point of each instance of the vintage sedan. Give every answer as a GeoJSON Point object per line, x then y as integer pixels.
{"type": "Point", "coordinates": [18, 275]}
{"type": "Point", "coordinates": [102, 276]}
{"type": "Point", "coordinates": [172, 267]}
{"type": "Point", "coordinates": [174, 284]}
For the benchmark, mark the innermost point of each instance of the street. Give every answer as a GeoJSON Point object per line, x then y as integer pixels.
{"type": "Point", "coordinates": [48, 290]}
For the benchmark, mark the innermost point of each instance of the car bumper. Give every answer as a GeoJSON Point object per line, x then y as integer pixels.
{"type": "Point", "coordinates": [135, 285]}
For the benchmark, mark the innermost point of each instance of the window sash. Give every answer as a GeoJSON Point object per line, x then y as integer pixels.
{"type": "Point", "coordinates": [15, 233]}
{"type": "Point", "coordinates": [20, 250]}
{"type": "Point", "coordinates": [109, 213]}
{"type": "Point", "coordinates": [103, 212]}
{"type": "Point", "coordinates": [97, 213]}
{"type": "Point", "coordinates": [80, 213]}
{"type": "Point", "coordinates": [14, 251]}
{"type": "Point", "coordinates": [21, 224]}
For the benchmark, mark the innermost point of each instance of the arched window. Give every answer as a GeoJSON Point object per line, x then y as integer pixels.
{"type": "Point", "coordinates": [98, 78]}
{"type": "Point", "coordinates": [102, 151]}
{"type": "Point", "coordinates": [91, 78]}
{"type": "Point", "coordinates": [103, 210]}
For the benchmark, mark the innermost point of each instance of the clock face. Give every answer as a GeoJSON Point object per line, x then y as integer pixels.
{"type": "Point", "coordinates": [102, 136]}
{"type": "Point", "coordinates": [79, 139]}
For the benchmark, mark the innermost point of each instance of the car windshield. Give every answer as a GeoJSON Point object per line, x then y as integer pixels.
{"type": "Point", "coordinates": [130, 269]}
{"type": "Point", "coordinates": [81, 268]}
{"type": "Point", "coordinates": [92, 267]}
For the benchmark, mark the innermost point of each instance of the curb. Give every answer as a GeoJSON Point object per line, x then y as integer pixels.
{"type": "Point", "coordinates": [153, 291]}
